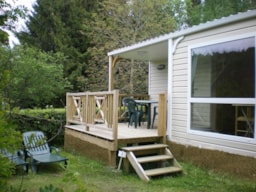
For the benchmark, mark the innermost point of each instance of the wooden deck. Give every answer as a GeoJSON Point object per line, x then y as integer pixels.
{"type": "Point", "coordinates": [93, 118]}
{"type": "Point", "coordinates": [125, 134]}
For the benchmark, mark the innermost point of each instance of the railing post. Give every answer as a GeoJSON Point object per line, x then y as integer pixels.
{"type": "Point", "coordinates": [67, 108]}
{"type": "Point", "coordinates": [162, 110]}
{"type": "Point", "coordinates": [115, 114]}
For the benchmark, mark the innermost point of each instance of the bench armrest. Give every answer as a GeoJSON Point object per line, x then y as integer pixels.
{"type": "Point", "coordinates": [54, 149]}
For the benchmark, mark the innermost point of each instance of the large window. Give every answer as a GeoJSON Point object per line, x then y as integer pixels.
{"type": "Point", "coordinates": [223, 87]}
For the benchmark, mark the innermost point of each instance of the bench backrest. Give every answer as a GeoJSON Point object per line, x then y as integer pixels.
{"type": "Point", "coordinates": [35, 142]}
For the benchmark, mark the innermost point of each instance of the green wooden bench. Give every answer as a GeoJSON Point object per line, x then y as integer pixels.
{"type": "Point", "coordinates": [38, 150]}
{"type": "Point", "coordinates": [18, 158]}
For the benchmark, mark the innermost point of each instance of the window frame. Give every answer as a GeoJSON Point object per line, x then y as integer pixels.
{"type": "Point", "coordinates": [219, 100]}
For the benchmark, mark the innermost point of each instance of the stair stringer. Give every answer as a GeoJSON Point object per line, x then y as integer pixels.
{"type": "Point", "coordinates": [137, 166]}
{"type": "Point", "coordinates": [175, 162]}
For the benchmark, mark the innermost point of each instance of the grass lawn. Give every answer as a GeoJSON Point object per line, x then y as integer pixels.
{"type": "Point", "coordinates": [84, 174]}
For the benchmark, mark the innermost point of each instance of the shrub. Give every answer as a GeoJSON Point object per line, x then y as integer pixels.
{"type": "Point", "coordinates": [51, 121]}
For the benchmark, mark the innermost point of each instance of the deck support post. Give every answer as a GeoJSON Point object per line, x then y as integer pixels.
{"type": "Point", "coordinates": [162, 117]}
{"type": "Point", "coordinates": [112, 158]}
{"type": "Point", "coordinates": [112, 64]}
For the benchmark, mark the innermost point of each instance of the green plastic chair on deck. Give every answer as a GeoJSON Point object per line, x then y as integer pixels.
{"type": "Point", "coordinates": [135, 112]}
{"type": "Point", "coordinates": [38, 150]}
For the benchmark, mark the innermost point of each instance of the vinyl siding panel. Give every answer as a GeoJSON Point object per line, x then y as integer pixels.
{"type": "Point", "coordinates": [180, 112]}
{"type": "Point", "coordinates": [158, 80]}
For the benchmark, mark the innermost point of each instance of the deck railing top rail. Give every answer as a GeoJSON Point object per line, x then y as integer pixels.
{"type": "Point", "coordinates": [104, 110]}
{"type": "Point", "coordinates": [93, 109]}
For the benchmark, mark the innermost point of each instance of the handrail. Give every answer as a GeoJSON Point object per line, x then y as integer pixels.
{"type": "Point", "coordinates": [92, 108]}
{"type": "Point", "coordinates": [104, 110]}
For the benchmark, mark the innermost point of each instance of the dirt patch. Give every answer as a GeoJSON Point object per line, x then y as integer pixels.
{"type": "Point", "coordinates": [236, 165]}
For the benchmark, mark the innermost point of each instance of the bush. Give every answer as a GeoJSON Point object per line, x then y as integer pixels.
{"type": "Point", "coordinates": [10, 140]}
{"type": "Point", "coordinates": [51, 121]}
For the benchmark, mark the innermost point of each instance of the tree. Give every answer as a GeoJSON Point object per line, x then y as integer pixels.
{"type": "Point", "coordinates": [55, 26]}
{"type": "Point", "coordinates": [202, 11]}
{"type": "Point", "coordinates": [9, 138]}
{"type": "Point", "coordinates": [36, 78]}
{"type": "Point", "coordinates": [118, 23]}
{"type": "Point", "coordinates": [73, 26]}
{"type": "Point", "coordinates": [8, 16]}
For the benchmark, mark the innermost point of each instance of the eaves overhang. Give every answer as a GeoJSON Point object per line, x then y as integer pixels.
{"type": "Point", "coordinates": [156, 49]}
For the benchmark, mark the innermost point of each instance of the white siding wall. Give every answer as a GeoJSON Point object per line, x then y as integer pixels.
{"type": "Point", "coordinates": [180, 113]}
{"type": "Point", "coordinates": [157, 82]}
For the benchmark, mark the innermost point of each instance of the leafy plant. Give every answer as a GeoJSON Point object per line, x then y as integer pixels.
{"type": "Point", "coordinates": [50, 121]}
{"type": "Point", "coordinates": [36, 78]}
{"type": "Point", "coordinates": [74, 178]}
{"type": "Point", "coordinates": [50, 188]}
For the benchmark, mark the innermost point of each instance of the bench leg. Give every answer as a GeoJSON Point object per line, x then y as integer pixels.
{"type": "Point", "coordinates": [65, 164]}
{"type": "Point", "coordinates": [25, 168]}
{"type": "Point", "coordinates": [34, 166]}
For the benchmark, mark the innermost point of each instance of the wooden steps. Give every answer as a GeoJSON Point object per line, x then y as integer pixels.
{"type": "Point", "coordinates": [151, 160]}
{"type": "Point", "coordinates": [161, 171]}
{"type": "Point", "coordinates": [144, 147]}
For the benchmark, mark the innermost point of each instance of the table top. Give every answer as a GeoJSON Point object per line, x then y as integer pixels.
{"type": "Point", "coordinates": [146, 101]}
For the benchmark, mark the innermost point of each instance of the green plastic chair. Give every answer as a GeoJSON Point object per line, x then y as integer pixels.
{"type": "Point", "coordinates": [134, 111]}
{"type": "Point", "coordinates": [38, 150]}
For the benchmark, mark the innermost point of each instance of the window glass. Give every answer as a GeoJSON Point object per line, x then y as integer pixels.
{"type": "Point", "coordinates": [224, 69]}
{"type": "Point", "coordinates": [231, 119]}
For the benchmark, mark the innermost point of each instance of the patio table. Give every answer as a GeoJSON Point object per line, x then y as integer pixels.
{"type": "Point", "coordinates": [148, 103]}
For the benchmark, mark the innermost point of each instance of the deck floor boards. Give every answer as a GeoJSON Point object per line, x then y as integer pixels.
{"type": "Point", "coordinates": [124, 132]}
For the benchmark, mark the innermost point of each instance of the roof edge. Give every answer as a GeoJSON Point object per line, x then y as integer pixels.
{"type": "Point", "coordinates": [141, 44]}
{"type": "Point", "coordinates": [216, 23]}
{"type": "Point", "coordinates": [208, 25]}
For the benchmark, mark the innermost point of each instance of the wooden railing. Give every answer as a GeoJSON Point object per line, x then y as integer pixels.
{"type": "Point", "coordinates": [104, 110]}
{"type": "Point", "coordinates": [93, 108]}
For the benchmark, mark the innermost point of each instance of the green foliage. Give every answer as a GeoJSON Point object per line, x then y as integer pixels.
{"type": "Point", "coordinates": [96, 177]}
{"type": "Point", "coordinates": [5, 63]}
{"type": "Point", "coordinates": [121, 23]}
{"type": "Point", "coordinates": [85, 31]}
{"type": "Point", "coordinates": [8, 16]}
{"type": "Point", "coordinates": [74, 178]}
{"type": "Point", "coordinates": [10, 140]}
{"type": "Point", "coordinates": [7, 188]}
{"type": "Point", "coordinates": [7, 168]}
{"type": "Point", "coordinates": [105, 25]}
{"type": "Point", "coordinates": [51, 121]}
{"type": "Point", "coordinates": [50, 188]}
{"type": "Point", "coordinates": [56, 26]}
{"type": "Point", "coordinates": [214, 9]}
{"type": "Point", "coordinates": [35, 77]}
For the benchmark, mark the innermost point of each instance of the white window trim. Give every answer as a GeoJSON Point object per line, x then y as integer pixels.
{"type": "Point", "coordinates": [219, 100]}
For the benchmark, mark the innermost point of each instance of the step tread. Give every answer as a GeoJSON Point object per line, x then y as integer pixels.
{"type": "Point", "coordinates": [153, 158]}
{"type": "Point", "coordinates": [144, 147]}
{"type": "Point", "coordinates": [161, 171]}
